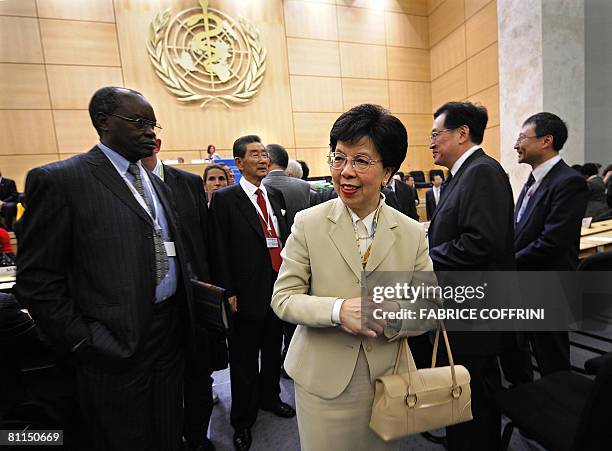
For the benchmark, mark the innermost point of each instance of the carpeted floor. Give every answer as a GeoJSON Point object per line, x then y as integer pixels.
{"type": "Point", "coordinates": [278, 434]}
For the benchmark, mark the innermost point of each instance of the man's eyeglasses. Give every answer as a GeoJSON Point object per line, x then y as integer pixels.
{"type": "Point", "coordinates": [522, 138]}
{"type": "Point", "coordinates": [435, 135]}
{"type": "Point", "coordinates": [337, 160]}
{"type": "Point", "coordinates": [139, 122]}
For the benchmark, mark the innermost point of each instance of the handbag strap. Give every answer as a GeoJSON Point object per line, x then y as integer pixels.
{"type": "Point", "coordinates": [448, 350]}
{"type": "Point", "coordinates": [404, 349]}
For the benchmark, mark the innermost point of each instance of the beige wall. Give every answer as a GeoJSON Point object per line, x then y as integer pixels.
{"type": "Point", "coordinates": [323, 57]}
{"type": "Point", "coordinates": [464, 63]}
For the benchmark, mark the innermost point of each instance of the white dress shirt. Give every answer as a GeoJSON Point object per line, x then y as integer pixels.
{"type": "Point", "coordinates": [250, 191]}
{"type": "Point", "coordinates": [462, 159]}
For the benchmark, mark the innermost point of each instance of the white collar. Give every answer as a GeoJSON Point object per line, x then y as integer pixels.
{"type": "Point", "coordinates": [368, 221]}
{"type": "Point", "coordinates": [250, 188]}
{"type": "Point", "coordinates": [540, 172]}
{"type": "Point", "coordinates": [462, 159]}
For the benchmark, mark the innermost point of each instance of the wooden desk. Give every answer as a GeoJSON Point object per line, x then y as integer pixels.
{"type": "Point", "coordinates": [597, 242]}
{"type": "Point", "coordinates": [597, 227]}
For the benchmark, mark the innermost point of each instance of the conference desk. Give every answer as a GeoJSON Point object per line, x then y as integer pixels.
{"type": "Point", "coordinates": [597, 238]}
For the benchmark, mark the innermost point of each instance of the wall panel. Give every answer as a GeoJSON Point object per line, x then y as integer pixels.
{"type": "Point", "coordinates": [472, 6]}
{"type": "Point", "coordinates": [308, 57]}
{"type": "Point", "coordinates": [18, 8]}
{"type": "Point", "coordinates": [312, 129]}
{"type": "Point", "coordinates": [483, 70]}
{"type": "Point", "coordinates": [448, 53]}
{"type": "Point", "coordinates": [491, 142]}
{"type": "Point", "coordinates": [64, 44]}
{"type": "Point", "coordinates": [316, 159]}
{"type": "Point", "coordinates": [451, 86]}
{"type": "Point", "coordinates": [74, 131]}
{"type": "Point", "coordinates": [481, 29]}
{"type": "Point", "coordinates": [20, 40]}
{"type": "Point", "coordinates": [23, 86]}
{"type": "Point", "coordinates": [361, 25]}
{"type": "Point", "coordinates": [358, 91]}
{"type": "Point", "coordinates": [98, 10]}
{"type": "Point", "coordinates": [418, 126]}
{"type": "Point", "coordinates": [404, 30]}
{"type": "Point", "coordinates": [490, 99]}
{"type": "Point", "coordinates": [409, 97]}
{"type": "Point", "coordinates": [26, 132]}
{"type": "Point", "coordinates": [71, 87]}
{"type": "Point", "coordinates": [445, 19]}
{"type": "Point", "coordinates": [408, 64]}
{"type": "Point", "coordinates": [316, 94]}
{"type": "Point", "coordinates": [310, 20]}
{"type": "Point", "coordinates": [363, 61]}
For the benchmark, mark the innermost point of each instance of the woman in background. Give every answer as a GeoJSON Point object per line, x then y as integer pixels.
{"type": "Point", "coordinates": [212, 153]}
{"type": "Point", "coordinates": [215, 177]}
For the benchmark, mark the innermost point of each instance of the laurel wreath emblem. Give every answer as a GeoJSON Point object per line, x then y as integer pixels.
{"type": "Point", "coordinates": [245, 90]}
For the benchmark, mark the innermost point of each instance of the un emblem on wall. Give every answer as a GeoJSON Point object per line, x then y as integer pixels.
{"type": "Point", "coordinates": [202, 54]}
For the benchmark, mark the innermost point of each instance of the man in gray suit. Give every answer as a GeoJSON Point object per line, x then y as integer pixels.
{"type": "Point", "coordinates": [103, 271]}
{"type": "Point", "coordinates": [295, 191]}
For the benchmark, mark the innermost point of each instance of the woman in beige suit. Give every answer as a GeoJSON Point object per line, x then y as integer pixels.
{"type": "Point", "coordinates": [336, 354]}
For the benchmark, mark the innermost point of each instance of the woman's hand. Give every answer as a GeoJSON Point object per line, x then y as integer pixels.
{"type": "Point", "coordinates": [357, 322]}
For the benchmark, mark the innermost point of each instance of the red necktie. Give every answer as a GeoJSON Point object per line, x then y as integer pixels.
{"type": "Point", "coordinates": [275, 255]}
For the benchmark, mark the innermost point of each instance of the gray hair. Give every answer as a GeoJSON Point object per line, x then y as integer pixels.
{"type": "Point", "coordinates": [294, 169]}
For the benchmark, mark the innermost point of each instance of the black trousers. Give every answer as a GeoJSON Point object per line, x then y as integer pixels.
{"type": "Point", "coordinates": [483, 433]}
{"type": "Point", "coordinates": [198, 403]}
{"type": "Point", "coordinates": [551, 350]}
{"type": "Point", "coordinates": [254, 384]}
{"type": "Point", "coordinates": [139, 407]}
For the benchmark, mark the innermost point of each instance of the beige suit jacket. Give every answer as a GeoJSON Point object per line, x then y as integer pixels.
{"type": "Point", "coordinates": [321, 263]}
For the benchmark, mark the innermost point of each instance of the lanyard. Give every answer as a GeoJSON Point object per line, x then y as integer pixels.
{"type": "Point", "coordinates": [142, 202]}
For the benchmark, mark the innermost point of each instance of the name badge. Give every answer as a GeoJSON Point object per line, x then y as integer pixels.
{"type": "Point", "coordinates": [272, 242]}
{"type": "Point", "coordinates": [170, 250]}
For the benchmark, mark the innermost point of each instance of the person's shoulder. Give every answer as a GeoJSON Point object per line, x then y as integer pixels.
{"type": "Point", "coordinates": [406, 223]}
{"type": "Point", "coordinates": [180, 173]}
{"type": "Point", "coordinates": [318, 212]}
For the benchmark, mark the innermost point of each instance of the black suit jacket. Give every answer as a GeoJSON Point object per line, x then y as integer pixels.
{"type": "Point", "coordinates": [548, 236]}
{"type": "Point", "coordinates": [430, 203]}
{"type": "Point", "coordinates": [86, 264]}
{"type": "Point", "coordinates": [8, 190]}
{"type": "Point", "coordinates": [405, 200]}
{"type": "Point", "coordinates": [192, 214]}
{"type": "Point", "coordinates": [472, 230]}
{"type": "Point", "coordinates": [241, 258]}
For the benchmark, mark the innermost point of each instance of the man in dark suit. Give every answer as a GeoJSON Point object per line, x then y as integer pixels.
{"type": "Point", "coordinates": [297, 192]}
{"type": "Point", "coordinates": [102, 269]}
{"type": "Point", "coordinates": [405, 198]}
{"type": "Point", "coordinates": [432, 196]}
{"type": "Point", "coordinates": [548, 218]}
{"type": "Point", "coordinates": [472, 230]}
{"type": "Point", "coordinates": [191, 211]}
{"type": "Point", "coordinates": [412, 185]}
{"type": "Point", "coordinates": [8, 201]}
{"type": "Point", "coordinates": [248, 229]}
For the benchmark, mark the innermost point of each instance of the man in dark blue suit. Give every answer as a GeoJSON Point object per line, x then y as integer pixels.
{"type": "Point", "coordinates": [432, 196]}
{"type": "Point", "coordinates": [548, 217]}
{"type": "Point", "coordinates": [472, 230]}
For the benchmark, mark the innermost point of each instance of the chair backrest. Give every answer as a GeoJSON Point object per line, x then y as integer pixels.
{"type": "Point", "coordinates": [433, 172]}
{"type": "Point", "coordinates": [595, 424]}
{"type": "Point", "coordinates": [601, 261]}
{"type": "Point", "coordinates": [419, 176]}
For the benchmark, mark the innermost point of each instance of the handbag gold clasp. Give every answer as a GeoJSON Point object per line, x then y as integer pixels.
{"type": "Point", "coordinates": [410, 400]}
{"type": "Point", "coordinates": [456, 392]}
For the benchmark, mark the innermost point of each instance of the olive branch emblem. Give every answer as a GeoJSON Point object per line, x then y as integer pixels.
{"type": "Point", "coordinates": [244, 91]}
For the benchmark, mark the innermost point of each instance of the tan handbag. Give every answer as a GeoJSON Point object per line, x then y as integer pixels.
{"type": "Point", "coordinates": [421, 400]}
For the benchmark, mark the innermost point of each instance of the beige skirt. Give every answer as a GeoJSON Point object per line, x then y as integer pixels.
{"type": "Point", "coordinates": [342, 423]}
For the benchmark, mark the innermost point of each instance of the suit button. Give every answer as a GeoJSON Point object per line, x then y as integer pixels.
{"type": "Point", "coordinates": [369, 348]}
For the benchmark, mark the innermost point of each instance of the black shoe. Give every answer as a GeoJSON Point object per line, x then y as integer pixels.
{"type": "Point", "coordinates": [280, 409]}
{"type": "Point", "coordinates": [242, 439]}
